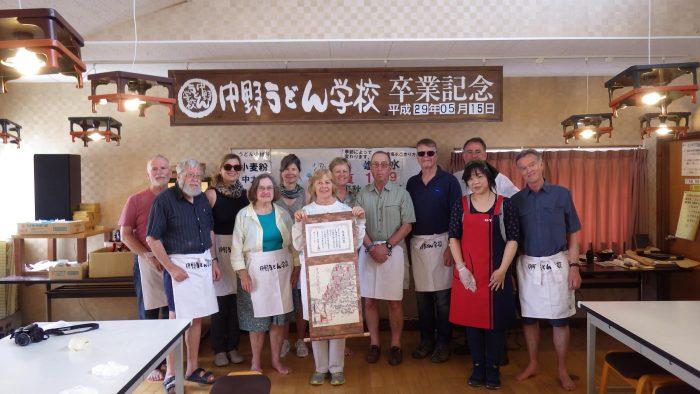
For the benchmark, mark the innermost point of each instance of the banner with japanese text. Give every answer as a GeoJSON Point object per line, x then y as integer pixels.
{"type": "Point", "coordinates": [213, 97]}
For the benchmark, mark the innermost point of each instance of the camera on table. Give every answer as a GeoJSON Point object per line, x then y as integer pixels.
{"type": "Point", "coordinates": [25, 335]}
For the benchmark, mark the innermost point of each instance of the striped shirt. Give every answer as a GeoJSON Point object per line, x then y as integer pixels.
{"type": "Point", "coordinates": [183, 227]}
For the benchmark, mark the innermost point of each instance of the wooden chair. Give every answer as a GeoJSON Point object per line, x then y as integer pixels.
{"type": "Point", "coordinates": [636, 370]}
{"type": "Point", "coordinates": [674, 387]}
{"type": "Point", "coordinates": [248, 382]}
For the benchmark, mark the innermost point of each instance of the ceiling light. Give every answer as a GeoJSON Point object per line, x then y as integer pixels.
{"type": "Point", "coordinates": [587, 126]}
{"type": "Point", "coordinates": [663, 124]}
{"type": "Point", "coordinates": [652, 98]}
{"type": "Point", "coordinates": [131, 89]}
{"type": "Point", "coordinates": [95, 129]}
{"type": "Point", "coordinates": [38, 41]}
{"type": "Point", "coordinates": [10, 132]}
{"type": "Point", "coordinates": [25, 62]}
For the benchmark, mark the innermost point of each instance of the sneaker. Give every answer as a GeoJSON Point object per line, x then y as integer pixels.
{"type": "Point", "coordinates": [478, 376]}
{"type": "Point", "coordinates": [302, 350]}
{"type": "Point", "coordinates": [423, 350]}
{"type": "Point", "coordinates": [220, 359]}
{"type": "Point", "coordinates": [373, 354]}
{"type": "Point", "coordinates": [317, 378]}
{"type": "Point", "coordinates": [286, 347]}
{"type": "Point", "coordinates": [493, 378]}
{"type": "Point", "coordinates": [395, 356]}
{"type": "Point", "coordinates": [235, 357]}
{"type": "Point", "coordinates": [337, 378]}
{"type": "Point", "coordinates": [441, 354]}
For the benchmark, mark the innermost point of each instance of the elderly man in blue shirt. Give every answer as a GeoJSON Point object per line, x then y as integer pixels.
{"type": "Point", "coordinates": [180, 235]}
{"type": "Point", "coordinates": [433, 192]}
{"type": "Point", "coordinates": [547, 270]}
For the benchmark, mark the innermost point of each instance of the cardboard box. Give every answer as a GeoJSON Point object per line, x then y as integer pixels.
{"type": "Point", "coordinates": [107, 264]}
{"type": "Point", "coordinates": [69, 272]}
{"type": "Point", "coordinates": [48, 228]}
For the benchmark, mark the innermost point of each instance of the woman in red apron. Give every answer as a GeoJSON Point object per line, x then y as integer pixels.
{"type": "Point", "coordinates": [483, 240]}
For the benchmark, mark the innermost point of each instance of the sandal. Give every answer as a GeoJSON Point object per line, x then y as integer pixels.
{"type": "Point", "coordinates": [200, 376]}
{"type": "Point", "coordinates": [169, 384]}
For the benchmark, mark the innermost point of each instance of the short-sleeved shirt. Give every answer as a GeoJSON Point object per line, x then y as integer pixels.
{"type": "Point", "coordinates": [135, 214]}
{"type": "Point", "coordinates": [432, 202]}
{"type": "Point", "coordinates": [510, 219]}
{"type": "Point", "coordinates": [183, 227]}
{"type": "Point", "coordinates": [385, 211]}
{"type": "Point", "coordinates": [546, 217]}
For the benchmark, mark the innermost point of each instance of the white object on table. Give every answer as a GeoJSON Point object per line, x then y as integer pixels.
{"type": "Point", "coordinates": [49, 367]}
{"type": "Point", "coordinates": [665, 332]}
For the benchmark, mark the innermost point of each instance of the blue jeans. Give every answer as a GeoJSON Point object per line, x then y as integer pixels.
{"type": "Point", "coordinates": [434, 314]}
{"type": "Point", "coordinates": [150, 314]}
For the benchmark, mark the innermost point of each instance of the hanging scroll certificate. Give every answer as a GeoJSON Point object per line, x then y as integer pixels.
{"type": "Point", "coordinates": [335, 309]}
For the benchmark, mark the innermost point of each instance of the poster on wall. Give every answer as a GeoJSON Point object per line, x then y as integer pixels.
{"type": "Point", "coordinates": [689, 216]}
{"type": "Point", "coordinates": [690, 158]}
{"type": "Point", "coordinates": [441, 94]}
{"type": "Point", "coordinates": [255, 162]}
{"type": "Point", "coordinates": [402, 159]}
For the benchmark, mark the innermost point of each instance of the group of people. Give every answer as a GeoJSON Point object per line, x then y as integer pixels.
{"type": "Point", "coordinates": [236, 255]}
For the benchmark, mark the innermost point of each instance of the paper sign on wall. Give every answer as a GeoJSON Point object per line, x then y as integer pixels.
{"type": "Point", "coordinates": [690, 159]}
{"type": "Point", "coordinates": [689, 216]}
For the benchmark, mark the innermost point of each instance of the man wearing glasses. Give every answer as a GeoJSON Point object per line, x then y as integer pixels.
{"type": "Point", "coordinates": [433, 192]}
{"type": "Point", "coordinates": [180, 234]}
{"type": "Point", "coordinates": [475, 149]}
{"type": "Point", "coordinates": [383, 258]}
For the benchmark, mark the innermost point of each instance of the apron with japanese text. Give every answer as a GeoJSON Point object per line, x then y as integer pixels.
{"type": "Point", "coordinates": [227, 284]}
{"type": "Point", "coordinates": [429, 271]}
{"type": "Point", "coordinates": [383, 281]}
{"type": "Point", "coordinates": [271, 275]}
{"type": "Point", "coordinates": [195, 296]}
{"type": "Point", "coordinates": [151, 285]}
{"type": "Point", "coordinates": [543, 284]}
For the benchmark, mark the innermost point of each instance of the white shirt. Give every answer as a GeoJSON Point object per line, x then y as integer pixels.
{"type": "Point", "coordinates": [504, 186]}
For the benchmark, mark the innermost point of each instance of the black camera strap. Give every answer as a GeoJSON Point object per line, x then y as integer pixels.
{"type": "Point", "coordinates": [74, 329]}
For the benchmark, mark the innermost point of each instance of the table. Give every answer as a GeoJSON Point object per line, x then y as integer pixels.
{"type": "Point", "coordinates": [665, 332]}
{"type": "Point", "coordinates": [76, 288]}
{"type": "Point", "coordinates": [80, 238]}
{"type": "Point", "coordinates": [646, 281]}
{"type": "Point", "coordinates": [49, 366]}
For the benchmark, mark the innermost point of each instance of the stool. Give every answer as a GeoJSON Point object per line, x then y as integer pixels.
{"type": "Point", "coordinates": [633, 368]}
{"type": "Point", "coordinates": [249, 382]}
{"type": "Point", "coordinates": [675, 387]}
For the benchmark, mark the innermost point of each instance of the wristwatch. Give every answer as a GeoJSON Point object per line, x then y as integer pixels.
{"type": "Point", "coordinates": [388, 246]}
{"type": "Point", "coordinates": [368, 248]}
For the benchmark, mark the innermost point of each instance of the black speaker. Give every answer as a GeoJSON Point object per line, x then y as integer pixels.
{"type": "Point", "coordinates": [56, 186]}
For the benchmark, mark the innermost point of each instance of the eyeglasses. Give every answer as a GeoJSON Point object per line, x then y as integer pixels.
{"type": "Point", "coordinates": [192, 176]}
{"type": "Point", "coordinates": [429, 153]}
{"type": "Point", "coordinates": [383, 164]}
{"type": "Point", "coordinates": [235, 167]}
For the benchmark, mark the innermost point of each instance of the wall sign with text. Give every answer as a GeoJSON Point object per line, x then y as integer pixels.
{"type": "Point", "coordinates": [212, 97]}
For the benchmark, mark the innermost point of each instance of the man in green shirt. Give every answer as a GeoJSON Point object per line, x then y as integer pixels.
{"type": "Point", "coordinates": [383, 260]}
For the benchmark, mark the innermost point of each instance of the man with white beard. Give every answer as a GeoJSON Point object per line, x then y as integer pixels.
{"type": "Point", "coordinates": [180, 234]}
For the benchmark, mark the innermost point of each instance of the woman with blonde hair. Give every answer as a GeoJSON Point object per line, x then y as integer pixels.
{"type": "Point", "coordinates": [342, 177]}
{"type": "Point", "coordinates": [328, 354]}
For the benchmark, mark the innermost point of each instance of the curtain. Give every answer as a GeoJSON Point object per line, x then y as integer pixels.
{"type": "Point", "coordinates": [609, 189]}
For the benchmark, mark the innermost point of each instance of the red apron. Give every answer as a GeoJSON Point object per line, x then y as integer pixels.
{"type": "Point", "coordinates": [467, 308]}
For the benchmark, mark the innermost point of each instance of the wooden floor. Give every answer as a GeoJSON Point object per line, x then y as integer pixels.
{"type": "Point", "coordinates": [413, 376]}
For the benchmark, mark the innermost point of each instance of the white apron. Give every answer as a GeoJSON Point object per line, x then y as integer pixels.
{"type": "Point", "coordinates": [194, 297]}
{"type": "Point", "coordinates": [429, 271]}
{"type": "Point", "coordinates": [151, 286]}
{"type": "Point", "coordinates": [271, 275]}
{"type": "Point", "coordinates": [382, 281]}
{"type": "Point", "coordinates": [227, 283]}
{"type": "Point", "coordinates": [544, 287]}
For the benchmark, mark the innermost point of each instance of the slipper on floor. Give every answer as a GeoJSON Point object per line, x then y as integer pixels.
{"type": "Point", "coordinates": [169, 384]}
{"type": "Point", "coordinates": [200, 376]}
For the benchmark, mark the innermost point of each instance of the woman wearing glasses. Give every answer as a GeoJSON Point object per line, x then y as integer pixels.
{"type": "Point", "coordinates": [226, 197]}
{"type": "Point", "coordinates": [268, 267]}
